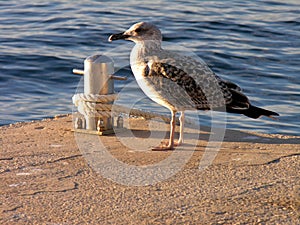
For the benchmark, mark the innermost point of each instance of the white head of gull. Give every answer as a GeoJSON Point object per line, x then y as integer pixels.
{"type": "Point", "coordinates": [180, 82]}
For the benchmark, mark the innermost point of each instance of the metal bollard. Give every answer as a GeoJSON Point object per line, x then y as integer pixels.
{"type": "Point", "coordinates": [98, 79]}
{"type": "Point", "coordinates": [97, 71]}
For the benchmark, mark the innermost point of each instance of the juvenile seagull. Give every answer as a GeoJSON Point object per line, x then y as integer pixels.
{"type": "Point", "coordinates": [180, 82]}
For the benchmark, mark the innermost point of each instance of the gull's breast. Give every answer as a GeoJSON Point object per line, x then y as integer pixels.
{"type": "Point", "coordinates": [154, 92]}
{"type": "Point", "coordinates": [161, 90]}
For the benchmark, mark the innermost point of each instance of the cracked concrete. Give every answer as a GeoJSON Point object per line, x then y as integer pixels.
{"type": "Point", "coordinates": [46, 179]}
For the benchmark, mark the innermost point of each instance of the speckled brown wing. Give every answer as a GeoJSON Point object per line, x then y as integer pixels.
{"type": "Point", "coordinates": [173, 81]}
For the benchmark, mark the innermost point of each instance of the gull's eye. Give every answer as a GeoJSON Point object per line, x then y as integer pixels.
{"type": "Point", "coordinates": [138, 30]}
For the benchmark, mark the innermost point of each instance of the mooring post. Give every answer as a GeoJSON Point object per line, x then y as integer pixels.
{"type": "Point", "coordinates": [97, 72]}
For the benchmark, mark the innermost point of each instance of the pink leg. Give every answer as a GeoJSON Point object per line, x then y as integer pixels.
{"type": "Point", "coordinates": [181, 129]}
{"type": "Point", "coordinates": [170, 145]}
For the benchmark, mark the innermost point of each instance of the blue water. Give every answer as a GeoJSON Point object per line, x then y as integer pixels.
{"type": "Point", "coordinates": [253, 43]}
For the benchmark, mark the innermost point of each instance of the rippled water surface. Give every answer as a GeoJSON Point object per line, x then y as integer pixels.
{"type": "Point", "coordinates": [253, 43]}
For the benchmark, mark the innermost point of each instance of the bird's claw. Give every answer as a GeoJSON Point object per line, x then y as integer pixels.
{"type": "Point", "coordinates": [166, 146]}
{"type": "Point", "coordinates": [163, 148]}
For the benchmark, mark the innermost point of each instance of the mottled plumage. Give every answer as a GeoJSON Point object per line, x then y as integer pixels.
{"type": "Point", "coordinates": [180, 82]}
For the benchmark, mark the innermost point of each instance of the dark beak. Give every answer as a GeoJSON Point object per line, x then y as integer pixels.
{"type": "Point", "coordinates": [120, 36]}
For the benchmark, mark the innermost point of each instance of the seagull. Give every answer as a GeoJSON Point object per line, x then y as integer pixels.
{"type": "Point", "coordinates": [180, 82]}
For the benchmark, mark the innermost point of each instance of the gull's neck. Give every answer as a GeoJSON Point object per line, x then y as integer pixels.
{"type": "Point", "coordinates": [148, 47]}
{"type": "Point", "coordinates": [144, 49]}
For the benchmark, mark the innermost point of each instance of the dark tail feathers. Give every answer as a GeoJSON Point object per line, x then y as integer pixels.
{"type": "Point", "coordinates": [256, 112]}
{"type": "Point", "coordinates": [241, 105]}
